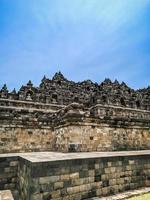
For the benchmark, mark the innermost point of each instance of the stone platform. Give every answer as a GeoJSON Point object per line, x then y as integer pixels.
{"type": "Point", "coordinates": [125, 195]}
{"type": "Point", "coordinates": [73, 176]}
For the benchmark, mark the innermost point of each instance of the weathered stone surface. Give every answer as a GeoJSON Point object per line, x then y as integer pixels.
{"type": "Point", "coordinates": [124, 195]}
{"type": "Point", "coordinates": [61, 115]}
{"type": "Point", "coordinates": [8, 176]}
{"type": "Point", "coordinates": [6, 195]}
{"type": "Point", "coordinates": [120, 172]}
{"type": "Point", "coordinates": [101, 138]}
{"type": "Point", "coordinates": [52, 175]}
{"type": "Point", "coordinates": [61, 91]}
{"type": "Point", "coordinates": [90, 130]}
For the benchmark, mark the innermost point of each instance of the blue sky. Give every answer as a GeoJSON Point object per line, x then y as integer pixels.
{"type": "Point", "coordinates": [84, 39]}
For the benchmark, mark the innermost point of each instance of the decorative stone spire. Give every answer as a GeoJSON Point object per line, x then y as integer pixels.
{"type": "Point", "coordinates": [4, 91]}
{"type": "Point", "coordinates": [14, 91]}
{"type": "Point", "coordinates": [21, 89]}
{"type": "Point", "coordinates": [29, 84]}
{"type": "Point", "coordinates": [13, 94]}
{"type": "Point", "coordinates": [107, 81]}
{"type": "Point", "coordinates": [59, 90]}
{"type": "Point", "coordinates": [123, 84]}
{"type": "Point", "coordinates": [4, 88]}
{"type": "Point", "coordinates": [44, 78]}
{"type": "Point", "coordinates": [58, 76]}
{"type": "Point", "coordinates": [116, 82]}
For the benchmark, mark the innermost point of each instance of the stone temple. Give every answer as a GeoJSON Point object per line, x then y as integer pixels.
{"type": "Point", "coordinates": [73, 141]}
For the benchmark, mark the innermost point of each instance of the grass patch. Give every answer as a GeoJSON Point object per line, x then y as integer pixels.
{"type": "Point", "coordinates": [141, 197]}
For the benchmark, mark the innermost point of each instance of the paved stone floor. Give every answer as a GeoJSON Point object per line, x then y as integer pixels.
{"type": "Point", "coordinates": [56, 156]}
{"type": "Point", "coordinates": [6, 195]}
{"type": "Point", "coordinates": [124, 195]}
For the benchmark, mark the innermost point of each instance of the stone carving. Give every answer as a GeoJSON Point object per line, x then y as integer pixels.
{"type": "Point", "coordinates": [62, 115]}
{"type": "Point", "coordinates": [61, 91]}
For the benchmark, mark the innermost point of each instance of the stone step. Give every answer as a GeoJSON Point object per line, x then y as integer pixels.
{"type": "Point", "coordinates": [6, 195]}
{"type": "Point", "coordinates": [124, 195]}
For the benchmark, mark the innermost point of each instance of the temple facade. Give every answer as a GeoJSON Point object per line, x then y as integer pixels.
{"type": "Point", "coordinates": [73, 141]}
{"type": "Point", "coordinates": [65, 116]}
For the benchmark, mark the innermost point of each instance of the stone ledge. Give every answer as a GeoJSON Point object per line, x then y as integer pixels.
{"type": "Point", "coordinates": [6, 195]}
{"type": "Point", "coordinates": [124, 195]}
{"type": "Point", "coordinates": [36, 157]}
{"type": "Point", "coordinates": [54, 156]}
{"type": "Point", "coordinates": [31, 102]}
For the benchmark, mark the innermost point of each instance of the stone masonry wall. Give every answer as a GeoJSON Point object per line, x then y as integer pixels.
{"type": "Point", "coordinates": [25, 129]}
{"type": "Point", "coordinates": [24, 180]}
{"type": "Point", "coordinates": [9, 174]}
{"type": "Point", "coordinates": [101, 128]}
{"type": "Point", "coordinates": [25, 139]}
{"type": "Point", "coordinates": [80, 179]}
{"type": "Point", "coordinates": [72, 128]}
{"type": "Point", "coordinates": [101, 137]}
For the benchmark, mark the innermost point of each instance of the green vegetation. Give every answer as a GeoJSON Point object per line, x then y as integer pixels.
{"type": "Point", "coordinates": [141, 197]}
